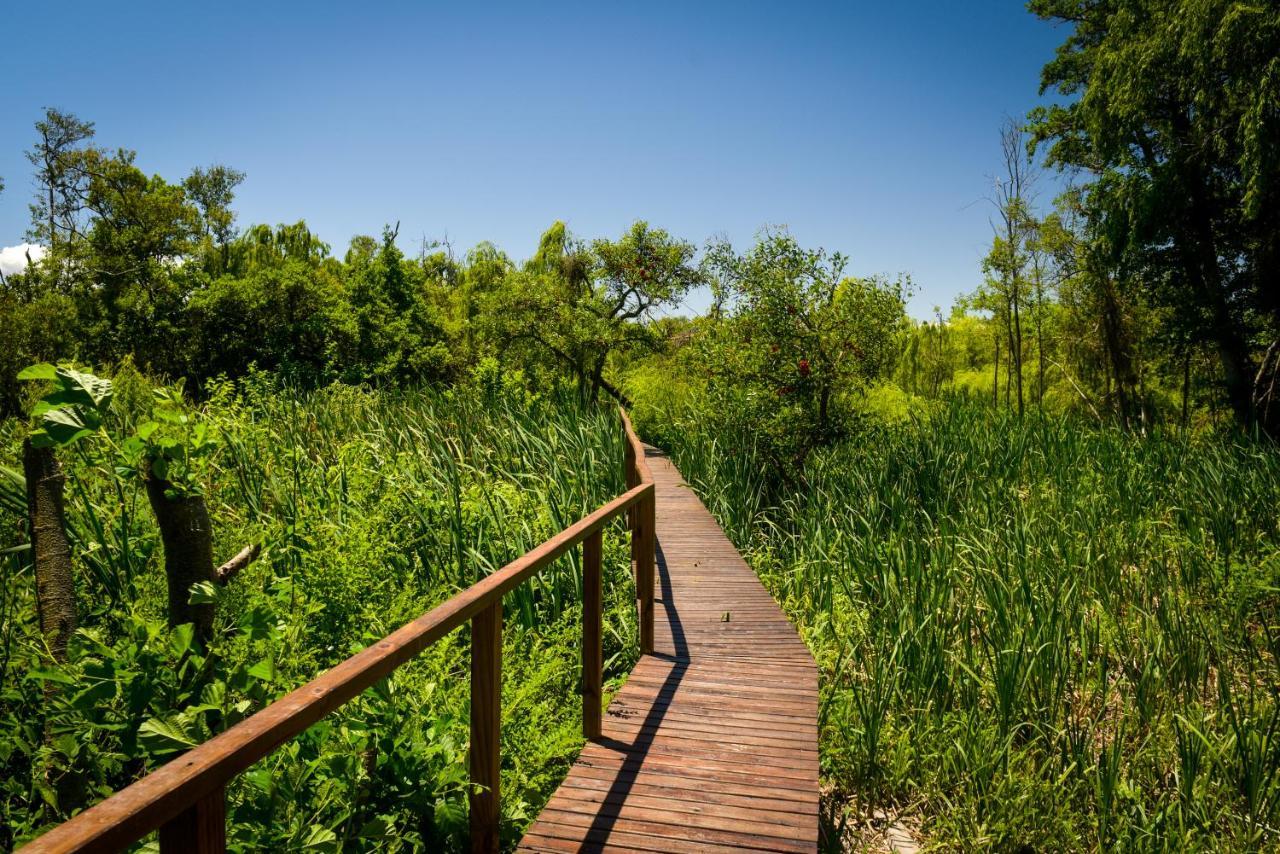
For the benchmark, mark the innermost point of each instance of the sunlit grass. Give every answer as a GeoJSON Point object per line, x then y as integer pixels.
{"type": "Point", "coordinates": [371, 507]}
{"type": "Point", "coordinates": [1031, 632]}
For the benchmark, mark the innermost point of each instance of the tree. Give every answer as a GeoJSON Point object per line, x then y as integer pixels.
{"type": "Point", "coordinates": [134, 291]}
{"type": "Point", "coordinates": [1009, 254]}
{"type": "Point", "coordinates": [62, 176]}
{"type": "Point", "coordinates": [213, 190]}
{"type": "Point", "coordinates": [927, 362]}
{"type": "Point", "coordinates": [287, 318]}
{"type": "Point", "coordinates": [1173, 110]}
{"type": "Point", "coordinates": [795, 342]}
{"type": "Point", "coordinates": [396, 331]}
{"type": "Point", "coordinates": [69, 411]}
{"type": "Point", "coordinates": [582, 304]}
{"type": "Point", "coordinates": [51, 551]}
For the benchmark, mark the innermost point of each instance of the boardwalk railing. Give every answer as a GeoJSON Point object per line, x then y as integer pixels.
{"type": "Point", "coordinates": [186, 798]}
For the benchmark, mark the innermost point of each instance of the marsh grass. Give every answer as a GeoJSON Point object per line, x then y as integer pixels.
{"type": "Point", "coordinates": [1031, 633]}
{"type": "Point", "coordinates": [371, 507]}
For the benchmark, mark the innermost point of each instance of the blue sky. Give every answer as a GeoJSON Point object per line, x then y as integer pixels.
{"type": "Point", "coordinates": [868, 128]}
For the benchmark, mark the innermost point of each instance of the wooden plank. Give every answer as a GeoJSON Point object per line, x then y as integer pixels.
{"type": "Point", "coordinates": [712, 742]}
{"type": "Point", "coordinates": [199, 829]}
{"type": "Point", "coordinates": [486, 736]}
{"type": "Point", "coordinates": [646, 535]}
{"type": "Point", "coordinates": [592, 650]}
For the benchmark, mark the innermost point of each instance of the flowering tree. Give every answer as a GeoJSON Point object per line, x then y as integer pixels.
{"type": "Point", "coordinates": [792, 341]}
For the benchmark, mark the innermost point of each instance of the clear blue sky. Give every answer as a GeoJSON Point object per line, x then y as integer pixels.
{"type": "Point", "coordinates": [871, 128]}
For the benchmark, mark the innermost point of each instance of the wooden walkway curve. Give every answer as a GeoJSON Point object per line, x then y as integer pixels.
{"type": "Point", "coordinates": [712, 744]}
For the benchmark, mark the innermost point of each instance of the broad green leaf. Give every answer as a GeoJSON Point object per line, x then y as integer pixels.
{"type": "Point", "coordinates": [65, 425]}
{"type": "Point", "coordinates": [320, 837]}
{"type": "Point", "coordinates": [42, 439]}
{"type": "Point", "coordinates": [94, 695]}
{"type": "Point", "coordinates": [42, 371]}
{"type": "Point", "coordinates": [169, 730]}
{"type": "Point", "coordinates": [264, 670]}
{"type": "Point", "coordinates": [182, 637]}
{"type": "Point", "coordinates": [214, 694]}
{"type": "Point", "coordinates": [96, 389]}
{"type": "Point", "coordinates": [375, 828]}
{"type": "Point", "coordinates": [52, 676]}
{"type": "Point", "coordinates": [203, 593]}
{"type": "Point", "coordinates": [259, 623]}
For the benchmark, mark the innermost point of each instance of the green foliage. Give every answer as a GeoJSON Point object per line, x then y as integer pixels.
{"type": "Point", "coordinates": [73, 407]}
{"type": "Point", "coordinates": [1172, 110]}
{"type": "Point", "coordinates": [371, 506]}
{"type": "Point", "coordinates": [794, 344]}
{"type": "Point", "coordinates": [175, 445]}
{"type": "Point", "coordinates": [1031, 633]}
{"type": "Point", "coordinates": [577, 305]}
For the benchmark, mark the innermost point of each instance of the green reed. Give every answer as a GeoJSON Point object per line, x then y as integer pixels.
{"type": "Point", "coordinates": [1030, 632]}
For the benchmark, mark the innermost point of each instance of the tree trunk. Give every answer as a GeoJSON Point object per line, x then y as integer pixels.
{"type": "Point", "coordinates": [1016, 344]}
{"type": "Point", "coordinates": [187, 535]}
{"type": "Point", "coordinates": [597, 377]}
{"type": "Point", "coordinates": [1116, 340]}
{"type": "Point", "coordinates": [995, 377]}
{"type": "Point", "coordinates": [1040, 356]}
{"type": "Point", "coordinates": [1008, 366]}
{"type": "Point", "coordinates": [1203, 266]}
{"type": "Point", "coordinates": [55, 583]}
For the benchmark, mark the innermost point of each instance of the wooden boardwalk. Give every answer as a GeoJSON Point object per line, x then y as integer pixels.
{"type": "Point", "coordinates": [712, 744]}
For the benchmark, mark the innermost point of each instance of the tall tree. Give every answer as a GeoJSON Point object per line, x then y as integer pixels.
{"type": "Point", "coordinates": [213, 190]}
{"type": "Point", "coordinates": [1007, 263]}
{"type": "Point", "coordinates": [1173, 107]}
{"type": "Point", "coordinates": [62, 174]}
{"type": "Point", "coordinates": [132, 294]}
{"type": "Point", "coordinates": [61, 177]}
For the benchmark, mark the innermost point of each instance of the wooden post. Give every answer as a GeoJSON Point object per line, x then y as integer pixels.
{"type": "Point", "coordinates": [592, 653]}
{"type": "Point", "coordinates": [644, 541]}
{"type": "Point", "coordinates": [199, 829]}
{"type": "Point", "coordinates": [629, 463]}
{"type": "Point", "coordinates": [486, 716]}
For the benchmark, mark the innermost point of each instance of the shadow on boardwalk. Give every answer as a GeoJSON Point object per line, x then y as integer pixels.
{"type": "Point", "coordinates": [712, 742]}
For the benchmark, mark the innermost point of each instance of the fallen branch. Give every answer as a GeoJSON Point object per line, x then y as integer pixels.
{"type": "Point", "coordinates": [231, 568]}
{"type": "Point", "coordinates": [1083, 395]}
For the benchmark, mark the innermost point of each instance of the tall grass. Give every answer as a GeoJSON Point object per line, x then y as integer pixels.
{"type": "Point", "coordinates": [1031, 633]}
{"type": "Point", "coordinates": [371, 508]}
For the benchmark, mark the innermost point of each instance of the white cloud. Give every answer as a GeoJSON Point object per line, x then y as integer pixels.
{"type": "Point", "coordinates": [13, 259]}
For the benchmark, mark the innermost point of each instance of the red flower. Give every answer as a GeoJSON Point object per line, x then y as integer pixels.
{"type": "Point", "coordinates": [803, 367]}
{"type": "Point", "coordinates": [786, 389]}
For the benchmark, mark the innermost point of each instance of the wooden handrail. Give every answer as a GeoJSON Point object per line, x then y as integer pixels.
{"type": "Point", "coordinates": [643, 536]}
{"type": "Point", "coordinates": [185, 798]}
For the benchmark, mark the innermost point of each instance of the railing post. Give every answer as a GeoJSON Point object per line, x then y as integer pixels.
{"type": "Point", "coordinates": [629, 463]}
{"type": "Point", "coordinates": [592, 652]}
{"type": "Point", "coordinates": [486, 716]}
{"type": "Point", "coordinates": [644, 544]}
{"type": "Point", "coordinates": [199, 829]}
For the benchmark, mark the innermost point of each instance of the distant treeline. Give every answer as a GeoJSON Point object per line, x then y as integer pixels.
{"type": "Point", "coordinates": [1150, 292]}
{"type": "Point", "coordinates": [138, 268]}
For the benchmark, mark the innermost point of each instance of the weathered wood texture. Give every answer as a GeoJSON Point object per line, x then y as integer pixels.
{"type": "Point", "coordinates": [486, 732]}
{"type": "Point", "coordinates": [712, 744]}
